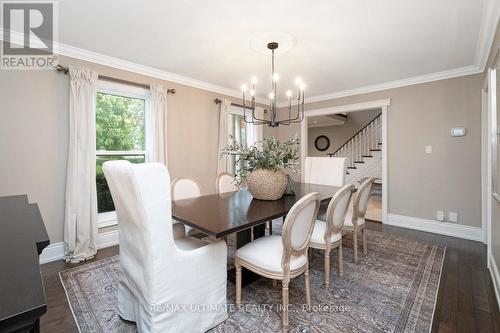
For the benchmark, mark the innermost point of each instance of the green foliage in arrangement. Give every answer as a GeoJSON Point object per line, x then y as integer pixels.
{"type": "Point", "coordinates": [268, 154]}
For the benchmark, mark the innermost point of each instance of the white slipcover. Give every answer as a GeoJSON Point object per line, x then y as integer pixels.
{"type": "Point", "coordinates": [165, 285]}
{"type": "Point", "coordinates": [325, 170]}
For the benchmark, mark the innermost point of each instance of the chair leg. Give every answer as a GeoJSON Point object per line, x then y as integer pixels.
{"type": "Point", "coordinates": [270, 227]}
{"type": "Point", "coordinates": [308, 289]}
{"type": "Point", "coordinates": [238, 284]}
{"type": "Point", "coordinates": [355, 245]}
{"type": "Point", "coordinates": [275, 283]}
{"type": "Point", "coordinates": [341, 260]}
{"type": "Point", "coordinates": [327, 268]}
{"type": "Point", "coordinates": [285, 306]}
{"type": "Point", "coordinates": [365, 250]}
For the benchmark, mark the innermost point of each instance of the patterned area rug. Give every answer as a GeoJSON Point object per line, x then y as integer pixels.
{"type": "Point", "coordinates": [392, 289]}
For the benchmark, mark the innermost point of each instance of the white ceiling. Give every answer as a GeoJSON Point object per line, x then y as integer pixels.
{"type": "Point", "coordinates": [339, 45]}
{"type": "Point", "coordinates": [324, 121]}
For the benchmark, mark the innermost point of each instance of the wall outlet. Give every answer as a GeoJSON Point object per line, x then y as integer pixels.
{"type": "Point", "coordinates": [453, 216]}
{"type": "Point", "coordinates": [428, 149]}
{"type": "Point", "coordinates": [440, 216]}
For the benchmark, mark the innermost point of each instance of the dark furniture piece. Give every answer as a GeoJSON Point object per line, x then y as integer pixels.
{"type": "Point", "coordinates": [22, 238]}
{"type": "Point", "coordinates": [219, 215]}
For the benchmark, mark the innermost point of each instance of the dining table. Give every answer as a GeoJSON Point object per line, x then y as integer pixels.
{"type": "Point", "coordinates": [219, 215]}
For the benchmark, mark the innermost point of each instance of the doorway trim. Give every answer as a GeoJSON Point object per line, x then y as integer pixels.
{"type": "Point", "coordinates": [382, 104]}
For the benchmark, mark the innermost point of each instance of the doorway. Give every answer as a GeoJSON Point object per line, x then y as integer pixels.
{"type": "Point", "coordinates": [365, 148]}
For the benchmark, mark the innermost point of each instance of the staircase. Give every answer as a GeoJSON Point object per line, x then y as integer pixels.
{"type": "Point", "coordinates": [363, 152]}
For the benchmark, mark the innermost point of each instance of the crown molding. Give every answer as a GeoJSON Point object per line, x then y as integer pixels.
{"type": "Point", "coordinates": [118, 63]}
{"type": "Point", "coordinates": [489, 22]}
{"type": "Point", "coordinates": [469, 70]}
{"type": "Point", "coordinates": [105, 60]}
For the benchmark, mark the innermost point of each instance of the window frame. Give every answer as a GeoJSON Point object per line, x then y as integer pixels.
{"type": "Point", "coordinates": [109, 219]}
{"type": "Point", "coordinates": [254, 133]}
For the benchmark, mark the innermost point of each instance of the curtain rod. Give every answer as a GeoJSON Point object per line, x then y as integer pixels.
{"type": "Point", "coordinates": [65, 70]}
{"type": "Point", "coordinates": [218, 101]}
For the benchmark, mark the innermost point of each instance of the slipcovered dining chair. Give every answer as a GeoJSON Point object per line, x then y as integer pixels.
{"type": "Point", "coordinates": [225, 183]}
{"type": "Point", "coordinates": [325, 170]}
{"type": "Point", "coordinates": [282, 257]}
{"type": "Point", "coordinates": [187, 188]}
{"type": "Point", "coordinates": [329, 171]}
{"type": "Point", "coordinates": [159, 273]}
{"type": "Point", "coordinates": [328, 235]}
{"type": "Point", "coordinates": [355, 217]}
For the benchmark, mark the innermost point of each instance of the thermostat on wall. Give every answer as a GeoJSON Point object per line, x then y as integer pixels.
{"type": "Point", "coordinates": [458, 131]}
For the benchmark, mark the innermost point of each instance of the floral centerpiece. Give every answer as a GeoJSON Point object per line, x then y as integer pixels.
{"type": "Point", "coordinates": [263, 165]}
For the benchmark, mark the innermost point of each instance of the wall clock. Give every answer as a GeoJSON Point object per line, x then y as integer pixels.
{"type": "Point", "coordinates": [322, 143]}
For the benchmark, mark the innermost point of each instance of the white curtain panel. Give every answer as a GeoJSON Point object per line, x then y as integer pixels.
{"type": "Point", "coordinates": [157, 125]}
{"type": "Point", "coordinates": [223, 135]}
{"type": "Point", "coordinates": [80, 220]}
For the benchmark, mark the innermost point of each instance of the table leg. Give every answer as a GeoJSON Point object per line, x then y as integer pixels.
{"type": "Point", "coordinates": [244, 237]}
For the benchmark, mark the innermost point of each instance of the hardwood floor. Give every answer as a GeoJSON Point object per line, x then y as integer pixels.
{"type": "Point", "coordinates": [466, 300]}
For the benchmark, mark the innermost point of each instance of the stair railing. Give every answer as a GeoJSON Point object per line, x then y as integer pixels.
{"type": "Point", "coordinates": [361, 144]}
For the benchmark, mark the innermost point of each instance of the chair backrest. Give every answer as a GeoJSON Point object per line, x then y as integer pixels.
{"type": "Point", "coordinates": [325, 170]}
{"type": "Point", "coordinates": [141, 195]}
{"type": "Point", "coordinates": [225, 183]}
{"type": "Point", "coordinates": [361, 199]}
{"type": "Point", "coordinates": [298, 227]}
{"type": "Point", "coordinates": [185, 188]}
{"type": "Point", "coordinates": [337, 209]}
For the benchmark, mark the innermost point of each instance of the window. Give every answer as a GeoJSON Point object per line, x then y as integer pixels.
{"type": "Point", "coordinates": [243, 133]}
{"type": "Point", "coordinates": [120, 135]}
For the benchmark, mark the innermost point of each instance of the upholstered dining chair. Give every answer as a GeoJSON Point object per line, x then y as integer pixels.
{"type": "Point", "coordinates": [329, 171]}
{"type": "Point", "coordinates": [186, 188]}
{"type": "Point", "coordinates": [225, 183]}
{"type": "Point", "coordinates": [328, 235]}
{"type": "Point", "coordinates": [159, 272]}
{"type": "Point", "coordinates": [282, 257]}
{"type": "Point", "coordinates": [325, 170]}
{"type": "Point", "coordinates": [355, 217]}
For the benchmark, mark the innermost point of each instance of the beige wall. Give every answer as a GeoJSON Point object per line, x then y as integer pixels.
{"type": "Point", "coordinates": [34, 130]}
{"type": "Point", "coordinates": [495, 213]}
{"type": "Point", "coordinates": [339, 134]}
{"type": "Point", "coordinates": [420, 115]}
{"type": "Point", "coordinates": [34, 136]}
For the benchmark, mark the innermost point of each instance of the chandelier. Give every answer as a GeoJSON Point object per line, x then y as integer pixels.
{"type": "Point", "coordinates": [297, 116]}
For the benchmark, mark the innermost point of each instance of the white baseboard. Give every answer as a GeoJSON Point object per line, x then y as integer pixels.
{"type": "Point", "coordinates": [495, 277]}
{"type": "Point", "coordinates": [443, 228]}
{"type": "Point", "coordinates": [55, 251]}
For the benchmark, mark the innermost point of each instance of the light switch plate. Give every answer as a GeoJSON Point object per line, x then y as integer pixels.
{"type": "Point", "coordinates": [458, 131]}
{"type": "Point", "coordinates": [453, 216]}
{"type": "Point", "coordinates": [428, 149]}
{"type": "Point", "coordinates": [440, 216]}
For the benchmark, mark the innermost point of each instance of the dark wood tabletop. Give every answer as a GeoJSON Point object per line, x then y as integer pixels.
{"type": "Point", "coordinates": [218, 215]}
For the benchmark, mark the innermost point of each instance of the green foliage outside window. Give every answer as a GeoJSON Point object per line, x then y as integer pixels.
{"type": "Point", "coordinates": [119, 123]}
{"type": "Point", "coordinates": [120, 126]}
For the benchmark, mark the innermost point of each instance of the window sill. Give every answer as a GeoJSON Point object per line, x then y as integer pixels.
{"type": "Point", "coordinates": [106, 219]}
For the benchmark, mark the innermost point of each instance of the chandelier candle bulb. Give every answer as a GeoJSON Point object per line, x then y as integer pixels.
{"type": "Point", "coordinates": [274, 121]}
